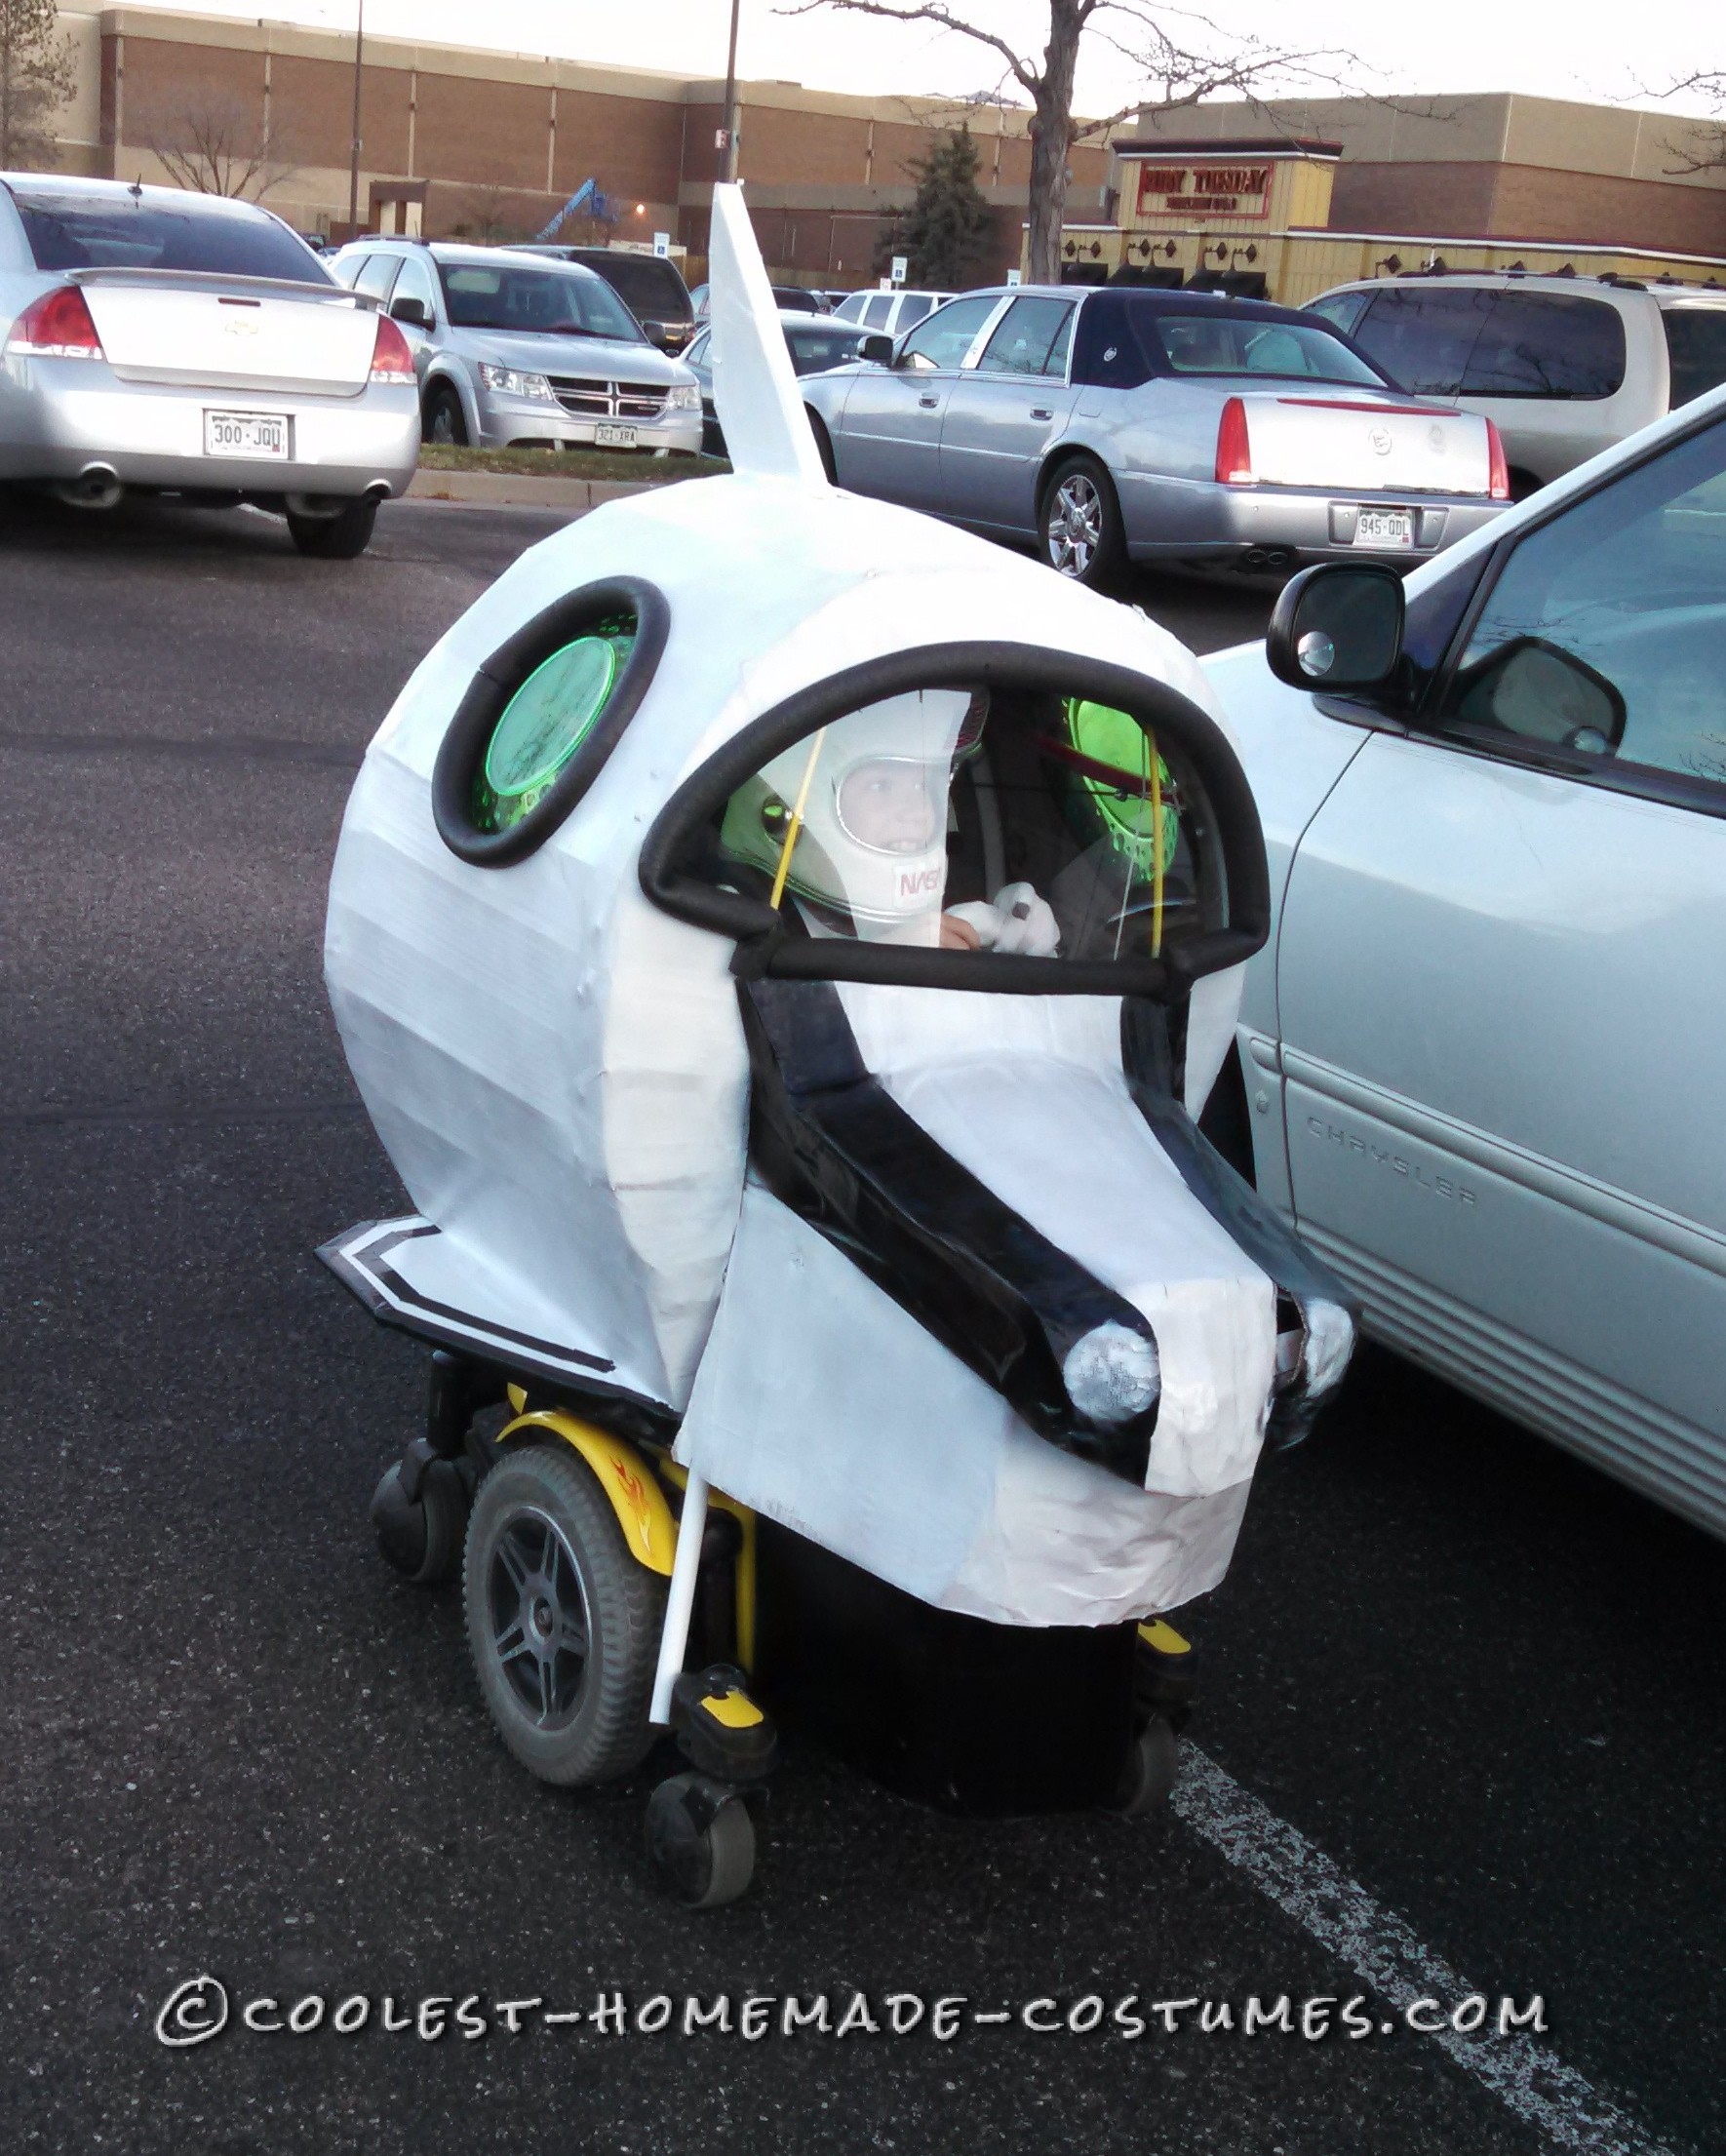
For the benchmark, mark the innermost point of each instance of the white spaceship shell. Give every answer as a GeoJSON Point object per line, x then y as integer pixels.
{"type": "Point", "coordinates": [854, 1428]}
{"type": "Point", "coordinates": [556, 1068]}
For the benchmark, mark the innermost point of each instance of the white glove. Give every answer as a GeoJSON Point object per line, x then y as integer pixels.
{"type": "Point", "coordinates": [1027, 925]}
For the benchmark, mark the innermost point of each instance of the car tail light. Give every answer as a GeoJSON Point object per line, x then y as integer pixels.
{"type": "Point", "coordinates": [1497, 484]}
{"type": "Point", "coordinates": [58, 326]}
{"type": "Point", "coordinates": [391, 360]}
{"type": "Point", "coordinates": [1234, 450]}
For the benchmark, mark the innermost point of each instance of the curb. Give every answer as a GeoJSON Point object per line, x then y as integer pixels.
{"type": "Point", "coordinates": [522, 490]}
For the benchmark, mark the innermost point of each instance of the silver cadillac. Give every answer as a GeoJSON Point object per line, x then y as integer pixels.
{"type": "Point", "coordinates": [1182, 427]}
{"type": "Point", "coordinates": [188, 345]}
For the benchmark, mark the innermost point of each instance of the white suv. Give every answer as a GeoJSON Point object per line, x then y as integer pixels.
{"type": "Point", "coordinates": [1564, 366]}
{"type": "Point", "coordinates": [890, 312]}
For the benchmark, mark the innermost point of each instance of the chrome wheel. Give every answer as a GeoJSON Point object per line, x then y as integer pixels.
{"type": "Point", "coordinates": [540, 1622]}
{"type": "Point", "coordinates": [1075, 524]}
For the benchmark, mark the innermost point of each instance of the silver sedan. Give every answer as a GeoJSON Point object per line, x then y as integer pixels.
{"type": "Point", "coordinates": [185, 344]}
{"type": "Point", "coordinates": [1156, 426]}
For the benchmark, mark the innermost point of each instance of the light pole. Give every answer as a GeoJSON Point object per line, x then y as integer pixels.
{"type": "Point", "coordinates": [353, 179]}
{"type": "Point", "coordinates": [730, 172]}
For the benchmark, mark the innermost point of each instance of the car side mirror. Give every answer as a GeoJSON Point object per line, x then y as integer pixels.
{"type": "Point", "coordinates": [414, 312]}
{"type": "Point", "coordinates": [1338, 626]}
{"type": "Point", "coordinates": [877, 348]}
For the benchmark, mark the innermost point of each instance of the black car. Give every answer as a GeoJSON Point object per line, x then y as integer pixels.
{"type": "Point", "coordinates": [815, 342]}
{"type": "Point", "coordinates": [650, 286]}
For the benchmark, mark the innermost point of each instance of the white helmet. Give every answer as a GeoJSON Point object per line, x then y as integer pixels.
{"type": "Point", "coordinates": [871, 843]}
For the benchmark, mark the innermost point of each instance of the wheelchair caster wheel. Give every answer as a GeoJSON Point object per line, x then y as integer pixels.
{"type": "Point", "coordinates": [700, 1840]}
{"type": "Point", "coordinates": [422, 1537]}
{"type": "Point", "coordinates": [1149, 1774]}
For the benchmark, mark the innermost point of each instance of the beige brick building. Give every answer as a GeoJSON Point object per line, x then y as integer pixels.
{"type": "Point", "coordinates": [491, 143]}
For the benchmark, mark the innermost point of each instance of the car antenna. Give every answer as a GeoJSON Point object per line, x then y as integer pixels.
{"type": "Point", "coordinates": [135, 190]}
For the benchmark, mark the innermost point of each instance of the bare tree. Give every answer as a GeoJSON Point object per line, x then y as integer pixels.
{"type": "Point", "coordinates": [1179, 67]}
{"type": "Point", "coordinates": [1705, 151]}
{"type": "Point", "coordinates": [214, 142]}
{"type": "Point", "coordinates": [38, 73]}
{"type": "Point", "coordinates": [493, 212]}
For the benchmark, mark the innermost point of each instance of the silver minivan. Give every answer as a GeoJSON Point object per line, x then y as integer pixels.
{"type": "Point", "coordinates": [1563, 366]}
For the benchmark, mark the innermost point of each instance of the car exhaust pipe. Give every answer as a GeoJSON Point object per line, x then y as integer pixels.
{"type": "Point", "coordinates": [1258, 561]}
{"type": "Point", "coordinates": [97, 487]}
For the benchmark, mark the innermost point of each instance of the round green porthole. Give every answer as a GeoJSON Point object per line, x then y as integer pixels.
{"type": "Point", "coordinates": [544, 723]}
{"type": "Point", "coordinates": [541, 716]}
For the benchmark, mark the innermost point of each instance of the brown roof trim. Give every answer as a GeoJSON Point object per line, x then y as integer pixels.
{"type": "Point", "coordinates": [1275, 145]}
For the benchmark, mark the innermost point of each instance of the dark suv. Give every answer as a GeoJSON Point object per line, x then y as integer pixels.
{"type": "Point", "coordinates": [1563, 366]}
{"type": "Point", "coordinates": [650, 286]}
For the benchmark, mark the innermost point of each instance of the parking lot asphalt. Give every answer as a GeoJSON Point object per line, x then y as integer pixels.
{"type": "Point", "coordinates": [1461, 1702]}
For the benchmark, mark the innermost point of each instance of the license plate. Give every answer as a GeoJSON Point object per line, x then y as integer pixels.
{"type": "Point", "coordinates": [613, 438]}
{"type": "Point", "coordinates": [259, 434]}
{"type": "Point", "coordinates": [1384, 528]}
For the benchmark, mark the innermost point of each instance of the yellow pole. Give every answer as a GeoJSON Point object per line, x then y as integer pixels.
{"type": "Point", "coordinates": [796, 820]}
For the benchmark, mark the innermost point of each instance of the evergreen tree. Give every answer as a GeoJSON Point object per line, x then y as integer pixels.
{"type": "Point", "coordinates": [945, 233]}
{"type": "Point", "coordinates": [37, 77]}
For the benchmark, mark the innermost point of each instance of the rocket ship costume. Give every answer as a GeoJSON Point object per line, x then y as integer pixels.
{"type": "Point", "coordinates": [782, 943]}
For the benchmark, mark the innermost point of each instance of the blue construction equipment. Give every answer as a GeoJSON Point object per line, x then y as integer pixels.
{"type": "Point", "coordinates": [586, 197]}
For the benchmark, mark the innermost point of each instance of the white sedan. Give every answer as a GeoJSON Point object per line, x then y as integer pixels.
{"type": "Point", "coordinates": [181, 343]}
{"type": "Point", "coordinates": [1482, 1056]}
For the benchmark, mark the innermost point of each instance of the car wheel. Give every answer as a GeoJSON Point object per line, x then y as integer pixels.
{"type": "Point", "coordinates": [442, 420]}
{"type": "Point", "coordinates": [1080, 523]}
{"type": "Point", "coordinates": [563, 1622]}
{"type": "Point", "coordinates": [824, 444]}
{"type": "Point", "coordinates": [336, 538]}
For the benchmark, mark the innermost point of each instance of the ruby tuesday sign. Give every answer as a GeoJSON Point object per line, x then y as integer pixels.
{"type": "Point", "coordinates": [1216, 190]}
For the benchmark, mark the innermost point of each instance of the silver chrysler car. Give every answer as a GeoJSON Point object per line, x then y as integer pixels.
{"type": "Point", "coordinates": [1182, 427]}
{"type": "Point", "coordinates": [188, 345]}
{"type": "Point", "coordinates": [518, 351]}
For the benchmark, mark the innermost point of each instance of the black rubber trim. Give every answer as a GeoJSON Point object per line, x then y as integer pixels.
{"type": "Point", "coordinates": [828, 1143]}
{"type": "Point", "coordinates": [469, 733]}
{"type": "Point", "coordinates": [678, 833]}
{"type": "Point", "coordinates": [1249, 1223]}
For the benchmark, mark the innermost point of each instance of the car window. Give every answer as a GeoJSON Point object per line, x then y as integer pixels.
{"type": "Point", "coordinates": [822, 344]}
{"type": "Point", "coordinates": [1222, 344]}
{"type": "Point", "coordinates": [1342, 309]}
{"type": "Point", "coordinates": [1423, 336]}
{"type": "Point", "coordinates": [1056, 363]}
{"type": "Point", "coordinates": [1547, 344]}
{"type": "Point", "coordinates": [200, 233]}
{"type": "Point", "coordinates": [1695, 346]}
{"type": "Point", "coordinates": [850, 307]}
{"type": "Point", "coordinates": [696, 355]}
{"type": "Point", "coordinates": [877, 311]}
{"type": "Point", "coordinates": [944, 337]}
{"type": "Point", "coordinates": [1024, 338]}
{"type": "Point", "coordinates": [417, 281]}
{"type": "Point", "coordinates": [375, 275]}
{"type": "Point", "coordinates": [912, 309]}
{"type": "Point", "coordinates": [1602, 635]}
{"type": "Point", "coordinates": [541, 302]}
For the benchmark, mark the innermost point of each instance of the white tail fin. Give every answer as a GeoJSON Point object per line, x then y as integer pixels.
{"type": "Point", "coordinates": [767, 432]}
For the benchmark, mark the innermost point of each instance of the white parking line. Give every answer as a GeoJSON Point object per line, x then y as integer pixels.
{"type": "Point", "coordinates": [1526, 2075]}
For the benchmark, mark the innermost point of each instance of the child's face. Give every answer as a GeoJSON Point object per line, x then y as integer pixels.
{"type": "Point", "coordinates": [892, 804]}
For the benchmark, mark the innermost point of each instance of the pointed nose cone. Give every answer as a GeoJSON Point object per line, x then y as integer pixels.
{"type": "Point", "coordinates": [755, 392]}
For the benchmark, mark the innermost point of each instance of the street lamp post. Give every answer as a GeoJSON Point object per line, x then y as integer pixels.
{"type": "Point", "coordinates": [730, 172]}
{"type": "Point", "coordinates": [353, 180]}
